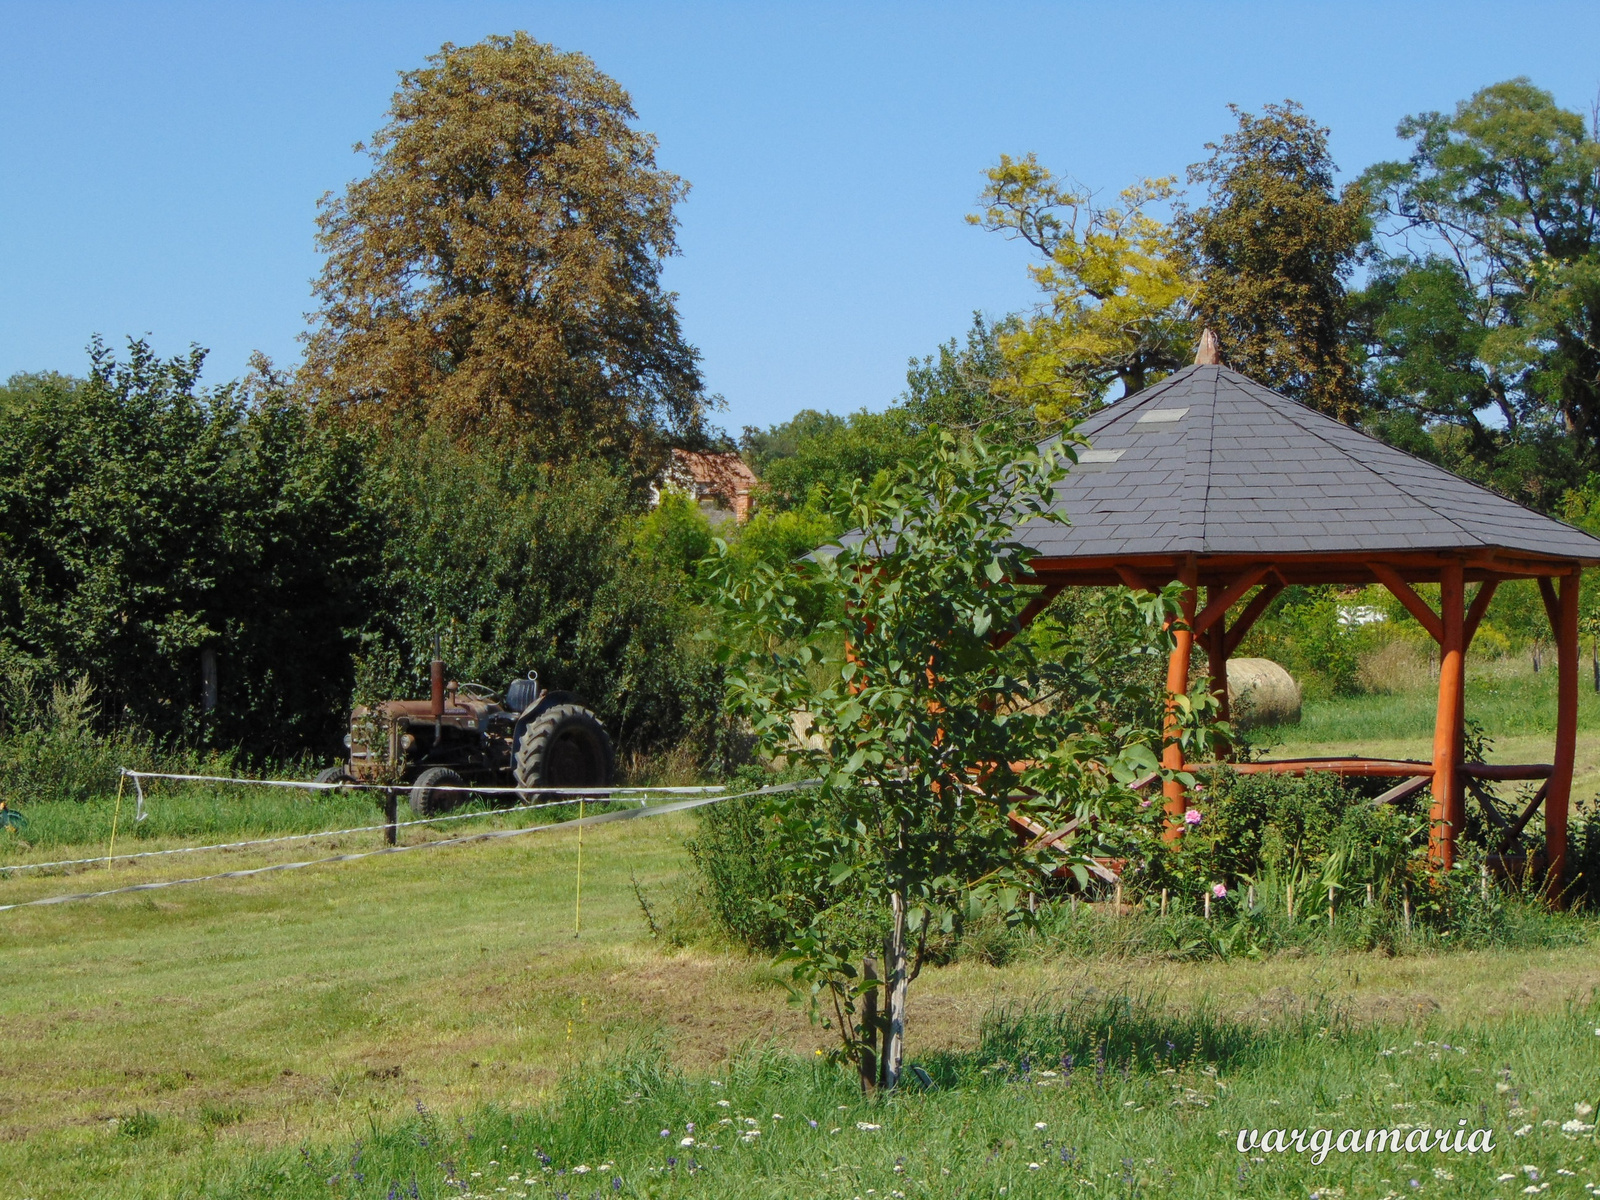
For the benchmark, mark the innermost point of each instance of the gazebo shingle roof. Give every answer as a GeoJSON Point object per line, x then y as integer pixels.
{"type": "Point", "coordinates": [1209, 462]}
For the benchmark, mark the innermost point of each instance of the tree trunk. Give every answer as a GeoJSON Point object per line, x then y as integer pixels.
{"type": "Point", "coordinates": [867, 1029]}
{"type": "Point", "coordinates": [894, 1036]}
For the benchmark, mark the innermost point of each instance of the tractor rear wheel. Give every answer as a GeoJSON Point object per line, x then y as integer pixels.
{"type": "Point", "coordinates": [565, 747]}
{"type": "Point", "coordinates": [428, 795]}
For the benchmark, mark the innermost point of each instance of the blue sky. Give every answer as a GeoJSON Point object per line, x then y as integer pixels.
{"type": "Point", "coordinates": [162, 162]}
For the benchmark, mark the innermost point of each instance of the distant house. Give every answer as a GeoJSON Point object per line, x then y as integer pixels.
{"type": "Point", "coordinates": [720, 483]}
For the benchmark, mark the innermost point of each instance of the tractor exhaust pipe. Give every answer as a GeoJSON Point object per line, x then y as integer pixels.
{"type": "Point", "coordinates": [436, 691]}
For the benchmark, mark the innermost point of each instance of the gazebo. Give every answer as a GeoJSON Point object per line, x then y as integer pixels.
{"type": "Point", "coordinates": [1212, 480]}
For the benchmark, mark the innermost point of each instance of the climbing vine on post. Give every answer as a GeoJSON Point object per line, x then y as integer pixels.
{"type": "Point", "coordinates": [928, 721]}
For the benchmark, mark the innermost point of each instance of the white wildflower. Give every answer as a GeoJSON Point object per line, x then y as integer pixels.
{"type": "Point", "coordinates": [867, 1127]}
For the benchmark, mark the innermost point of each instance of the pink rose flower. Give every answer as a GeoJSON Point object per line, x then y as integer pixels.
{"type": "Point", "coordinates": [1192, 817]}
{"type": "Point", "coordinates": [1218, 890]}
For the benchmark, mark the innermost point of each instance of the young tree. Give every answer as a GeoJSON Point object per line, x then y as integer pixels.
{"type": "Point", "coordinates": [1117, 307]}
{"type": "Point", "coordinates": [925, 719]}
{"type": "Point", "coordinates": [1485, 312]}
{"type": "Point", "coordinates": [1272, 249]}
{"type": "Point", "coordinates": [500, 267]}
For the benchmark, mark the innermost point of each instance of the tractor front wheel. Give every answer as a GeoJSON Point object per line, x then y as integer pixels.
{"type": "Point", "coordinates": [430, 795]}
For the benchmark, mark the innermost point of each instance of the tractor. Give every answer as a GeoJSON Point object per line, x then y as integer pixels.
{"type": "Point", "coordinates": [464, 734]}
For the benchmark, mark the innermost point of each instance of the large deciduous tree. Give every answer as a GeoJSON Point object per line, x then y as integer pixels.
{"type": "Point", "coordinates": [1484, 313]}
{"type": "Point", "coordinates": [1272, 249]}
{"type": "Point", "coordinates": [499, 269]}
{"type": "Point", "coordinates": [1117, 301]}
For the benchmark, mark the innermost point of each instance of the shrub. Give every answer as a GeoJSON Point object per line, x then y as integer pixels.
{"type": "Point", "coordinates": [522, 566]}
{"type": "Point", "coordinates": [148, 521]}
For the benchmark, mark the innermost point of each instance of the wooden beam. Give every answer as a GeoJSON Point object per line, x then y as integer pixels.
{"type": "Point", "coordinates": [1177, 685]}
{"type": "Point", "coordinates": [1507, 770]}
{"type": "Point", "coordinates": [1486, 802]}
{"type": "Point", "coordinates": [1401, 792]}
{"type": "Point", "coordinates": [1217, 606]}
{"type": "Point", "coordinates": [1132, 580]}
{"type": "Point", "coordinates": [1359, 767]}
{"type": "Point", "coordinates": [1555, 807]}
{"type": "Point", "coordinates": [1521, 822]}
{"type": "Point", "coordinates": [1029, 611]}
{"type": "Point", "coordinates": [1415, 604]}
{"type": "Point", "coordinates": [1552, 604]}
{"type": "Point", "coordinates": [1480, 605]}
{"type": "Point", "coordinates": [1449, 802]}
{"type": "Point", "coordinates": [1252, 613]}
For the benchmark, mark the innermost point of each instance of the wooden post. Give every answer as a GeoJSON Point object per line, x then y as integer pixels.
{"type": "Point", "coordinates": [1217, 662]}
{"type": "Point", "coordinates": [1178, 685]}
{"type": "Point", "coordinates": [1449, 799]}
{"type": "Point", "coordinates": [1560, 791]}
{"type": "Point", "coordinates": [867, 1032]}
{"type": "Point", "coordinates": [391, 817]}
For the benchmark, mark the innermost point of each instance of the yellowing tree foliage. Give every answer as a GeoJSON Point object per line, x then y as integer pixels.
{"type": "Point", "coordinates": [1118, 301]}
{"type": "Point", "coordinates": [499, 269]}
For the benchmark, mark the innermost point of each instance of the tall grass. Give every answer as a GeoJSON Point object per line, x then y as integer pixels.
{"type": "Point", "coordinates": [1088, 1095]}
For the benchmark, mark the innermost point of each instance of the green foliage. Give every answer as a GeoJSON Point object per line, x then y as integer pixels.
{"type": "Point", "coordinates": [1306, 631]}
{"type": "Point", "coordinates": [1308, 833]}
{"type": "Point", "coordinates": [1489, 298]}
{"type": "Point", "coordinates": [963, 386]}
{"type": "Point", "coordinates": [814, 454]}
{"type": "Point", "coordinates": [1272, 248]}
{"type": "Point", "coordinates": [524, 566]}
{"type": "Point", "coordinates": [904, 703]}
{"type": "Point", "coordinates": [675, 534]}
{"type": "Point", "coordinates": [146, 520]}
{"type": "Point", "coordinates": [1116, 313]}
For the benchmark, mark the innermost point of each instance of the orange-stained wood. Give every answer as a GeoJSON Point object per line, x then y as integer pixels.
{"type": "Point", "coordinates": [1029, 611]}
{"type": "Point", "coordinates": [1560, 792]}
{"type": "Point", "coordinates": [1449, 799]}
{"type": "Point", "coordinates": [1215, 640]}
{"type": "Point", "coordinates": [1134, 581]}
{"type": "Point", "coordinates": [1177, 685]}
{"type": "Point", "coordinates": [1251, 614]}
{"type": "Point", "coordinates": [1415, 604]}
{"type": "Point", "coordinates": [1480, 605]}
{"type": "Point", "coordinates": [1219, 602]}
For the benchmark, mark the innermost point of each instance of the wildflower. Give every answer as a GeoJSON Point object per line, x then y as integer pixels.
{"type": "Point", "coordinates": [1522, 1131]}
{"type": "Point", "coordinates": [811, 1123]}
{"type": "Point", "coordinates": [1582, 1109]}
{"type": "Point", "coordinates": [724, 1104]}
{"type": "Point", "coordinates": [1040, 1125]}
{"type": "Point", "coordinates": [867, 1127]}
{"type": "Point", "coordinates": [1033, 1166]}
{"type": "Point", "coordinates": [1219, 890]}
{"type": "Point", "coordinates": [666, 1133]}
{"type": "Point", "coordinates": [777, 1116]}
{"type": "Point", "coordinates": [1531, 1172]}
{"type": "Point", "coordinates": [581, 1169]}
{"type": "Point", "coordinates": [1192, 817]}
{"type": "Point", "coordinates": [1506, 1176]}
{"type": "Point", "coordinates": [688, 1141]}
{"type": "Point", "coordinates": [1575, 1126]}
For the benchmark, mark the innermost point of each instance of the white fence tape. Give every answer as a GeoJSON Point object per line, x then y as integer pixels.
{"type": "Point", "coordinates": [626, 814]}
{"type": "Point", "coordinates": [312, 786]}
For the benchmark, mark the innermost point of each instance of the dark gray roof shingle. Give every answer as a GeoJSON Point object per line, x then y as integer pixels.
{"type": "Point", "coordinates": [1210, 462]}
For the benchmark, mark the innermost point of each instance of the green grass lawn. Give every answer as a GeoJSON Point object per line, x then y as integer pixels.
{"type": "Point", "coordinates": [1515, 707]}
{"type": "Point", "coordinates": [253, 1037]}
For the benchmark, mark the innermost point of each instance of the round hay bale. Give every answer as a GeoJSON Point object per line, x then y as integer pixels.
{"type": "Point", "coordinates": [1260, 692]}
